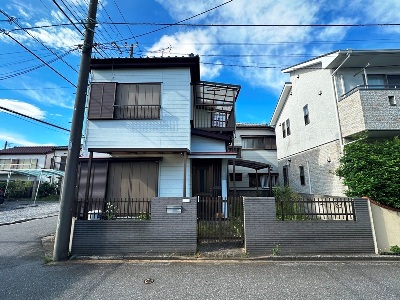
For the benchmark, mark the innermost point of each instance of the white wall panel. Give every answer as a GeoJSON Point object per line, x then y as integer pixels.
{"type": "Point", "coordinates": [171, 131]}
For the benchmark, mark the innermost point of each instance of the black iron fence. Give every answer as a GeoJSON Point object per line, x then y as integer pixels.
{"type": "Point", "coordinates": [111, 209]}
{"type": "Point", "coordinates": [316, 209]}
{"type": "Point", "coordinates": [220, 219]}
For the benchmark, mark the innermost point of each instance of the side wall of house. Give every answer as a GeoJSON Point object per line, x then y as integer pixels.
{"type": "Point", "coordinates": [171, 131]}
{"type": "Point", "coordinates": [171, 176]}
{"type": "Point", "coordinates": [319, 166]}
{"type": "Point", "coordinates": [263, 156]}
{"type": "Point", "coordinates": [312, 87]}
{"type": "Point", "coordinates": [263, 232]}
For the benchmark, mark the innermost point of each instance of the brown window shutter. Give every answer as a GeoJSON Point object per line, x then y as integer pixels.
{"type": "Point", "coordinates": [101, 101]}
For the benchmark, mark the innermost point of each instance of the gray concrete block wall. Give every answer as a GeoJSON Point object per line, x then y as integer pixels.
{"type": "Point", "coordinates": [263, 232]}
{"type": "Point", "coordinates": [164, 233]}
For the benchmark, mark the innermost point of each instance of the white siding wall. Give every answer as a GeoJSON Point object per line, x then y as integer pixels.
{"type": "Point", "coordinates": [172, 131]}
{"type": "Point", "coordinates": [202, 144]}
{"type": "Point", "coordinates": [171, 177]}
{"type": "Point", "coordinates": [323, 126]}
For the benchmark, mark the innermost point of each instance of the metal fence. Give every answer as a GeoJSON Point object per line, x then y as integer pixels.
{"type": "Point", "coordinates": [220, 220]}
{"type": "Point", "coordinates": [111, 209]}
{"type": "Point", "coordinates": [316, 209]}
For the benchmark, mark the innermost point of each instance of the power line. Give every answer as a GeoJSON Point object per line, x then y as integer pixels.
{"type": "Point", "coordinates": [73, 24]}
{"type": "Point", "coordinates": [27, 70]}
{"type": "Point", "coordinates": [16, 23]}
{"type": "Point", "coordinates": [32, 118]}
{"type": "Point", "coordinates": [36, 89]}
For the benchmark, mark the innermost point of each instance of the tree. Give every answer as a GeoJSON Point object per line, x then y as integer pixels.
{"type": "Point", "coordinates": [372, 168]}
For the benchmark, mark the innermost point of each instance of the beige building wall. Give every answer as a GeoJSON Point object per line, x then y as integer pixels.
{"type": "Point", "coordinates": [386, 223]}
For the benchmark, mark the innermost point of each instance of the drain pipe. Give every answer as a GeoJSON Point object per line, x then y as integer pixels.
{"type": "Point", "coordinates": [309, 177]}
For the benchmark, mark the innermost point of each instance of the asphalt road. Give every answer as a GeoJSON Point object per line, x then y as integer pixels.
{"type": "Point", "coordinates": [24, 275]}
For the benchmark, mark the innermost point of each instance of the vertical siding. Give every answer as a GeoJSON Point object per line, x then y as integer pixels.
{"type": "Point", "coordinates": [171, 131]}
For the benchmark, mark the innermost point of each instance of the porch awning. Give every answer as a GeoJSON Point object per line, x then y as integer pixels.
{"type": "Point", "coordinates": [249, 164]}
{"type": "Point", "coordinates": [35, 172]}
{"type": "Point", "coordinates": [212, 155]}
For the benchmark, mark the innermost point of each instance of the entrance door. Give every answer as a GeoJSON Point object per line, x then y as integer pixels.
{"type": "Point", "coordinates": [206, 178]}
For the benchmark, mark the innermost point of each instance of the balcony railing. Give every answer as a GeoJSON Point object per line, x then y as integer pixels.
{"type": "Point", "coordinates": [137, 112]}
{"type": "Point", "coordinates": [213, 120]}
{"type": "Point", "coordinates": [371, 87]}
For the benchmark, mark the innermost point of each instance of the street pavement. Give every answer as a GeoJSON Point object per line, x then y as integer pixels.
{"type": "Point", "coordinates": [24, 275]}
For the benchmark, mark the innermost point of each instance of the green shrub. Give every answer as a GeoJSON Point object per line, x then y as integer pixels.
{"type": "Point", "coordinates": [47, 189]}
{"type": "Point", "coordinates": [17, 189]}
{"type": "Point", "coordinates": [372, 168]}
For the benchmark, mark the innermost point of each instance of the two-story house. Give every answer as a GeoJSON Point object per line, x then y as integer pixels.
{"type": "Point", "coordinates": [328, 101]}
{"type": "Point", "coordinates": [255, 170]}
{"type": "Point", "coordinates": [154, 129]}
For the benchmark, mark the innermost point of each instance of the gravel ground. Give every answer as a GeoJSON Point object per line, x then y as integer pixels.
{"type": "Point", "coordinates": [13, 211]}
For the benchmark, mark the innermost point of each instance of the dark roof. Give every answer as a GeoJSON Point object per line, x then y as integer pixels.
{"type": "Point", "coordinates": [192, 62]}
{"type": "Point", "coordinates": [254, 126]}
{"type": "Point", "coordinates": [32, 149]}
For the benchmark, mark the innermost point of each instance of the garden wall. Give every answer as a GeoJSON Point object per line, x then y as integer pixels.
{"type": "Point", "coordinates": [163, 233]}
{"type": "Point", "coordinates": [386, 222]}
{"type": "Point", "coordinates": [263, 232]}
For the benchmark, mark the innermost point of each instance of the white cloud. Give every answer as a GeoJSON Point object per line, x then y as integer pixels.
{"type": "Point", "coordinates": [19, 140]}
{"type": "Point", "coordinates": [182, 44]}
{"type": "Point", "coordinates": [23, 108]}
{"type": "Point", "coordinates": [55, 97]}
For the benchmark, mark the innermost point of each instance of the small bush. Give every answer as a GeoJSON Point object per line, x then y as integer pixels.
{"type": "Point", "coordinates": [47, 189]}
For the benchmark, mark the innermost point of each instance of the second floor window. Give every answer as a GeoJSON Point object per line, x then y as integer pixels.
{"type": "Point", "coordinates": [125, 101]}
{"type": "Point", "coordinates": [302, 177]}
{"type": "Point", "coordinates": [259, 142]}
{"type": "Point", "coordinates": [306, 115]}
{"type": "Point", "coordinates": [288, 132]}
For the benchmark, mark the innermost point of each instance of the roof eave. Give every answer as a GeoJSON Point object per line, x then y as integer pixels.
{"type": "Point", "coordinates": [281, 103]}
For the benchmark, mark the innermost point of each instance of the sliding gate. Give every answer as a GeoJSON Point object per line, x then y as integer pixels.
{"type": "Point", "coordinates": [220, 220]}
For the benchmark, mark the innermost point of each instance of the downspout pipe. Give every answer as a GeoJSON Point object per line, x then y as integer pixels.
{"type": "Point", "coordinates": [336, 96]}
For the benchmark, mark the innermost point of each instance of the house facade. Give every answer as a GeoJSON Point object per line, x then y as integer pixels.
{"type": "Point", "coordinates": [153, 129]}
{"type": "Point", "coordinates": [255, 170]}
{"type": "Point", "coordinates": [328, 101]}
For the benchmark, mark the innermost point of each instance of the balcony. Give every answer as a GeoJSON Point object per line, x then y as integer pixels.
{"type": "Point", "coordinates": [375, 109]}
{"type": "Point", "coordinates": [214, 106]}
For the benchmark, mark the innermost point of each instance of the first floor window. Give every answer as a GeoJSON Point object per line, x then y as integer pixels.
{"type": "Point", "coordinates": [302, 177]}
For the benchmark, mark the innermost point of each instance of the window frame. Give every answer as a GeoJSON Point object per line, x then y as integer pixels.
{"type": "Point", "coordinates": [302, 175]}
{"type": "Point", "coordinates": [103, 102]}
{"type": "Point", "coordinates": [268, 142]}
{"type": "Point", "coordinates": [306, 114]}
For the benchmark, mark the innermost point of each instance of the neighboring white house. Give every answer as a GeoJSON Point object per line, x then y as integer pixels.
{"type": "Point", "coordinates": [154, 129]}
{"type": "Point", "coordinates": [256, 166]}
{"type": "Point", "coordinates": [328, 101]}
{"type": "Point", "coordinates": [33, 163]}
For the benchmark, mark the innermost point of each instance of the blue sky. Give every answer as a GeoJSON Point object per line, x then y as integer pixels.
{"type": "Point", "coordinates": [250, 56]}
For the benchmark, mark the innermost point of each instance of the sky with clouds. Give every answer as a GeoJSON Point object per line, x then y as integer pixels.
{"type": "Point", "coordinates": [252, 56]}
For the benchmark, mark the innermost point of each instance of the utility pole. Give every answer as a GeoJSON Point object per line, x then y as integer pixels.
{"type": "Point", "coordinates": [61, 246]}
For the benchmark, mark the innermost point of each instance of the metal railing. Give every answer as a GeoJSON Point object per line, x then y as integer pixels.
{"type": "Point", "coordinates": [137, 112]}
{"type": "Point", "coordinates": [208, 119]}
{"type": "Point", "coordinates": [316, 209]}
{"type": "Point", "coordinates": [220, 219]}
{"type": "Point", "coordinates": [111, 209]}
{"type": "Point", "coordinates": [370, 87]}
